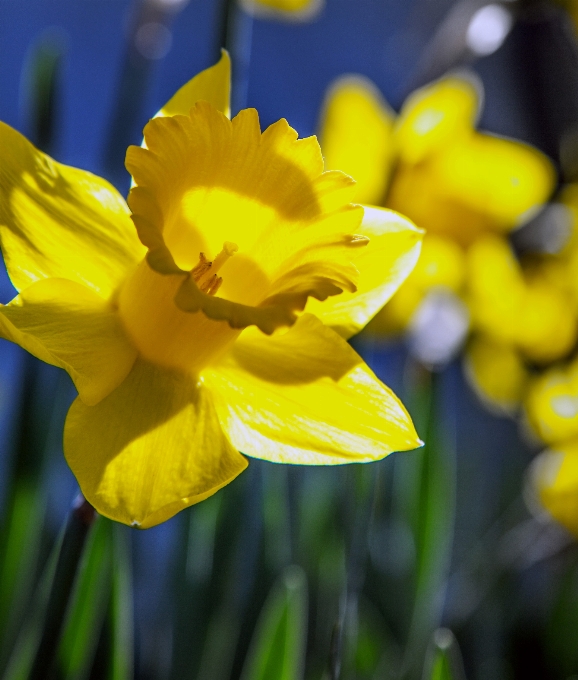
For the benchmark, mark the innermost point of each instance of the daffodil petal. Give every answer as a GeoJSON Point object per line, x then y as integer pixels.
{"type": "Point", "coordinates": [437, 114]}
{"type": "Point", "coordinates": [552, 404]}
{"type": "Point", "coordinates": [306, 397]}
{"type": "Point", "coordinates": [547, 329]}
{"type": "Point", "coordinates": [212, 85]}
{"type": "Point", "coordinates": [383, 264]}
{"type": "Point", "coordinates": [357, 136]}
{"type": "Point", "coordinates": [151, 448]}
{"type": "Point", "coordinates": [497, 374]}
{"type": "Point", "coordinates": [68, 325]}
{"type": "Point", "coordinates": [472, 185]}
{"type": "Point", "coordinates": [62, 222]}
{"type": "Point", "coordinates": [284, 10]}
{"type": "Point", "coordinates": [554, 478]}
{"type": "Point", "coordinates": [501, 178]}
{"type": "Point", "coordinates": [496, 288]}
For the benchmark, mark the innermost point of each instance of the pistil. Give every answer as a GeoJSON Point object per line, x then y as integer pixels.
{"type": "Point", "coordinates": [204, 273]}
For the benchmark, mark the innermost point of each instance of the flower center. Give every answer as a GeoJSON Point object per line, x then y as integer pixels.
{"type": "Point", "coordinates": [163, 333]}
{"type": "Point", "coordinates": [204, 273]}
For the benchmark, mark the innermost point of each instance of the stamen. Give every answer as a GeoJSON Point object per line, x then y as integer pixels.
{"type": "Point", "coordinates": [215, 286]}
{"type": "Point", "coordinates": [202, 266]}
{"type": "Point", "coordinates": [206, 284]}
{"type": "Point", "coordinates": [357, 239]}
{"type": "Point", "coordinates": [204, 273]}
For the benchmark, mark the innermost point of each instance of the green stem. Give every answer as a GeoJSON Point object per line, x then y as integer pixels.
{"type": "Point", "coordinates": [77, 528]}
{"type": "Point", "coordinates": [429, 497]}
{"type": "Point", "coordinates": [360, 508]}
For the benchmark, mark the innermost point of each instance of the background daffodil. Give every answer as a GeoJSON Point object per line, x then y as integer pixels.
{"type": "Point", "coordinates": [551, 406]}
{"type": "Point", "coordinates": [522, 354]}
{"type": "Point", "coordinates": [524, 306]}
{"type": "Point", "coordinates": [284, 10]}
{"type": "Point", "coordinates": [523, 316]}
{"type": "Point", "coordinates": [431, 164]}
{"type": "Point", "coordinates": [219, 328]}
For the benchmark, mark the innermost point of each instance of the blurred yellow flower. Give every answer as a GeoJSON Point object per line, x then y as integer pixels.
{"type": "Point", "coordinates": [519, 308]}
{"type": "Point", "coordinates": [212, 332]}
{"type": "Point", "coordinates": [287, 10]}
{"type": "Point", "coordinates": [554, 478]}
{"type": "Point", "coordinates": [526, 307]}
{"type": "Point", "coordinates": [496, 372]}
{"type": "Point", "coordinates": [432, 165]}
{"type": "Point", "coordinates": [552, 404]}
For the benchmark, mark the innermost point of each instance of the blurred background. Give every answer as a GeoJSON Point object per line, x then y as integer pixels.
{"type": "Point", "coordinates": [437, 563]}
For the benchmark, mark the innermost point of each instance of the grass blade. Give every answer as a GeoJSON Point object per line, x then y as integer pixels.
{"type": "Point", "coordinates": [444, 662]}
{"type": "Point", "coordinates": [122, 658]}
{"type": "Point", "coordinates": [89, 605]}
{"type": "Point", "coordinates": [278, 646]}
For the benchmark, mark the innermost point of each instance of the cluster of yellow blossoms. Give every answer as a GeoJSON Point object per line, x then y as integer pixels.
{"type": "Point", "coordinates": [551, 405]}
{"type": "Point", "coordinates": [469, 191]}
{"type": "Point", "coordinates": [209, 316]}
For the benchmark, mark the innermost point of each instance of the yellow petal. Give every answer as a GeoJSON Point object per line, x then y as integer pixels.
{"type": "Point", "coordinates": [497, 373]}
{"type": "Point", "coordinates": [356, 136]}
{"type": "Point", "coordinates": [289, 10]}
{"type": "Point", "coordinates": [442, 263]}
{"type": "Point", "coordinates": [212, 85]}
{"type": "Point", "coordinates": [496, 288]}
{"type": "Point", "coordinates": [552, 404]}
{"type": "Point", "coordinates": [306, 397]}
{"type": "Point", "coordinates": [68, 325]}
{"type": "Point", "coordinates": [535, 316]}
{"type": "Point", "coordinates": [436, 115]}
{"type": "Point", "coordinates": [510, 178]}
{"type": "Point", "coordinates": [57, 221]}
{"type": "Point", "coordinates": [547, 325]}
{"type": "Point", "coordinates": [151, 448]}
{"type": "Point", "coordinates": [472, 185]}
{"type": "Point", "coordinates": [554, 476]}
{"type": "Point", "coordinates": [391, 254]}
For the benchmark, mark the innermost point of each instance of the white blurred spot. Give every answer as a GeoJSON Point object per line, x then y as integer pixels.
{"type": "Point", "coordinates": [438, 328]}
{"type": "Point", "coordinates": [548, 467]}
{"type": "Point", "coordinates": [565, 406]}
{"type": "Point", "coordinates": [443, 638]}
{"type": "Point", "coordinates": [153, 40]}
{"type": "Point", "coordinates": [427, 121]}
{"type": "Point", "coordinates": [170, 5]}
{"type": "Point", "coordinates": [488, 29]}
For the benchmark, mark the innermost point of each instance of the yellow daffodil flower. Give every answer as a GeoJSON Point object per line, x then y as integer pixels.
{"type": "Point", "coordinates": [496, 372]}
{"type": "Point", "coordinates": [284, 10]}
{"type": "Point", "coordinates": [551, 407]}
{"type": "Point", "coordinates": [552, 404]}
{"type": "Point", "coordinates": [218, 325]}
{"type": "Point", "coordinates": [554, 480]}
{"type": "Point", "coordinates": [522, 319]}
{"type": "Point", "coordinates": [431, 164]}
{"type": "Point", "coordinates": [517, 309]}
